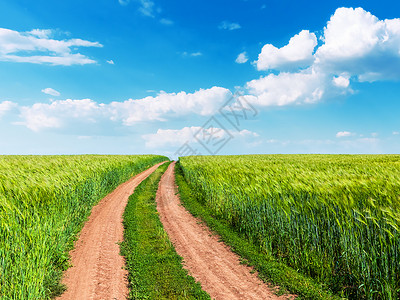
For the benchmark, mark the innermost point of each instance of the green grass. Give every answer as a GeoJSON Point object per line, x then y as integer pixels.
{"type": "Point", "coordinates": [44, 201]}
{"type": "Point", "coordinates": [268, 268]}
{"type": "Point", "coordinates": [334, 218]}
{"type": "Point", "coordinates": [155, 269]}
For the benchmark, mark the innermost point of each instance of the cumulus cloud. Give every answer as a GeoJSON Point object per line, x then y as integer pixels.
{"type": "Point", "coordinates": [162, 107]}
{"type": "Point", "coordinates": [203, 102]}
{"type": "Point", "coordinates": [58, 113]}
{"type": "Point", "coordinates": [355, 46]}
{"type": "Point", "coordinates": [242, 58]}
{"type": "Point", "coordinates": [342, 134]}
{"type": "Point", "coordinates": [341, 81]}
{"type": "Point", "coordinates": [357, 42]}
{"type": "Point", "coordinates": [307, 86]}
{"type": "Point", "coordinates": [229, 25]}
{"type": "Point", "coordinates": [298, 53]}
{"type": "Point", "coordinates": [24, 47]}
{"type": "Point", "coordinates": [50, 91]}
{"type": "Point", "coordinates": [177, 137]}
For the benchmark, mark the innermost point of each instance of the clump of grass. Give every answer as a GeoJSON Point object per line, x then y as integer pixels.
{"type": "Point", "coordinates": [335, 218]}
{"type": "Point", "coordinates": [155, 269]}
{"type": "Point", "coordinates": [44, 201]}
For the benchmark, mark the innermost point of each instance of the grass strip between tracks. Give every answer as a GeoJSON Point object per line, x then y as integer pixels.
{"type": "Point", "coordinates": [269, 270]}
{"type": "Point", "coordinates": [155, 269]}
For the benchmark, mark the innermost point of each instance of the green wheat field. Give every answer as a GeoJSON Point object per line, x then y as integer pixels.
{"type": "Point", "coordinates": [335, 218]}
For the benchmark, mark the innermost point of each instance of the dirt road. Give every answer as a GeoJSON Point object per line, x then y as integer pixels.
{"type": "Point", "coordinates": [211, 262]}
{"type": "Point", "coordinates": [97, 270]}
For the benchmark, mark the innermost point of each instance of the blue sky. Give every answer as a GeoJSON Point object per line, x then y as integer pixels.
{"type": "Point", "coordinates": [144, 76]}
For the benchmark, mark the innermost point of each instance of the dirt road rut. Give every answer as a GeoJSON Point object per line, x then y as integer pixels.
{"type": "Point", "coordinates": [97, 270]}
{"type": "Point", "coordinates": [211, 262]}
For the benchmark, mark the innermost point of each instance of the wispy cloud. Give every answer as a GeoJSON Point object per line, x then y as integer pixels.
{"type": "Point", "coordinates": [229, 25]}
{"type": "Point", "coordinates": [193, 54]}
{"type": "Point", "coordinates": [342, 134]}
{"type": "Point", "coordinates": [37, 47]}
{"type": "Point", "coordinates": [111, 62]}
{"type": "Point", "coordinates": [146, 7]}
{"type": "Point", "coordinates": [166, 22]}
{"type": "Point", "coordinates": [242, 58]}
{"type": "Point", "coordinates": [50, 91]}
{"type": "Point", "coordinates": [6, 106]}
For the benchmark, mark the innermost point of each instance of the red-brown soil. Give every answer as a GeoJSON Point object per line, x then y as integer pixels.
{"type": "Point", "coordinates": [98, 270]}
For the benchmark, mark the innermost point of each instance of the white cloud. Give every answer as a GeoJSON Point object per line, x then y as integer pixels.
{"type": "Point", "coordinates": [147, 8]}
{"type": "Point", "coordinates": [229, 25]}
{"type": "Point", "coordinates": [193, 54]}
{"type": "Point", "coordinates": [50, 91]}
{"type": "Point", "coordinates": [170, 137]}
{"type": "Point", "coordinates": [166, 21]}
{"type": "Point", "coordinates": [56, 114]}
{"type": "Point", "coordinates": [242, 58]}
{"type": "Point", "coordinates": [203, 102]}
{"type": "Point", "coordinates": [111, 62]}
{"type": "Point", "coordinates": [245, 133]}
{"type": "Point", "coordinates": [395, 133]}
{"type": "Point", "coordinates": [177, 137]}
{"type": "Point", "coordinates": [341, 81]}
{"type": "Point", "coordinates": [298, 53]}
{"type": "Point", "coordinates": [62, 113]}
{"type": "Point", "coordinates": [19, 47]}
{"type": "Point", "coordinates": [356, 46]}
{"type": "Point", "coordinates": [196, 54]}
{"type": "Point", "coordinates": [307, 86]}
{"type": "Point", "coordinates": [6, 106]}
{"type": "Point", "coordinates": [41, 33]}
{"type": "Point", "coordinates": [357, 42]}
{"type": "Point", "coordinates": [341, 134]}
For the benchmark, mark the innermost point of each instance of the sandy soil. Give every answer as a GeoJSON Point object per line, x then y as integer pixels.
{"type": "Point", "coordinates": [209, 261]}
{"type": "Point", "coordinates": [97, 270]}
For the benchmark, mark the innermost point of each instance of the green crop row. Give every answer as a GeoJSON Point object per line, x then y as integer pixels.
{"type": "Point", "coordinates": [44, 201]}
{"type": "Point", "coordinates": [335, 218]}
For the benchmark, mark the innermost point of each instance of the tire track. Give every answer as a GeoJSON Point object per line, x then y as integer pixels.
{"type": "Point", "coordinates": [211, 262]}
{"type": "Point", "coordinates": [97, 270]}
